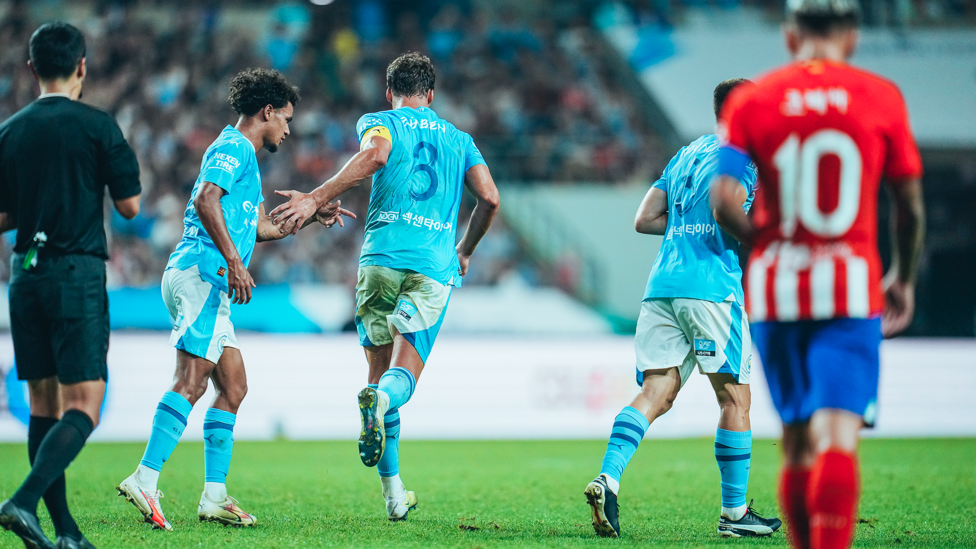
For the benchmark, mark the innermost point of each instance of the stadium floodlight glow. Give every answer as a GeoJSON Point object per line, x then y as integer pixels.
{"type": "Point", "coordinates": [321, 2]}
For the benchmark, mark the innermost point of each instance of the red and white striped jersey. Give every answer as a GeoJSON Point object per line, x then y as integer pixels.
{"type": "Point", "coordinates": [823, 134]}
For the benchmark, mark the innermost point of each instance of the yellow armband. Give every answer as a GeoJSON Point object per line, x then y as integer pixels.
{"type": "Point", "coordinates": [380, 131]}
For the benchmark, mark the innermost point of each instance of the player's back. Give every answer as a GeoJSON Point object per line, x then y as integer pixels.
{"type": "Point", "coordinates": [414, 202]}
{"type": "Point", "coordinates": [697, 259]}
{"type": "Point", "coordinates": [822, 135]}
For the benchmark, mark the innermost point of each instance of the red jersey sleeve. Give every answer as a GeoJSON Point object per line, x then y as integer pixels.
{"type": "Point", "coordinates": [903, 160]}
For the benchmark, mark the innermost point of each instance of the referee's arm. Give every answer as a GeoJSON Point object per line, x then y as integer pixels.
{"type": "Point", "coordinates": [7, 219]}
{"type": "Point", "coordinates": [120, 170]}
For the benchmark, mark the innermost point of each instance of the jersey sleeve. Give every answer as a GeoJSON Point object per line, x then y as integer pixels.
{"type": "Point", "coordinates": [662, 182]}
{"type": "Point", "coordinates": [472, 155]}
{"type": "Point", "coordinates": [117, 164]}
{"type": "Point", "coordinates": [224, 165]}
{"type": "Point", "coordinates": [373, 124]}
{"type": "Point", "coordinates": [903, 160]}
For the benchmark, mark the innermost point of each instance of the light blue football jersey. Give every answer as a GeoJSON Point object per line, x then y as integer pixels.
{"type": "Point", "coordinates": [413, 206]}
{"type": "Point", "coordinates": [697, 258]}
{"type": "Point", "coordinates": [229, 163]}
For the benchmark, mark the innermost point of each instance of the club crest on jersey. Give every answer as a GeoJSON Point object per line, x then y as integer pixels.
{"type": "Point", "coordinates": [221, 271]}
{"type": "Point", "coordinates": [704, 347]}
{"type": "Point", "coordinates": [389, 217]}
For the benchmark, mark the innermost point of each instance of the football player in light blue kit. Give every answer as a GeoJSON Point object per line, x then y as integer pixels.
{"type": "Point", "coordinates": [208, 270]}
{"type": "Point", "coordinates": [691, 316]}
{"type": "Point", "coordinates": [420, 165]}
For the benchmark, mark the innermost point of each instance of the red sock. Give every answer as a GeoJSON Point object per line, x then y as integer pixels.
{"type": "Point", "coordinates": [793, 500]}
{"type": "Point", "coordinates": [832, 500]}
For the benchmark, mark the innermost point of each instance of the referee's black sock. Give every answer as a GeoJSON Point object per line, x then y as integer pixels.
{"type": "Point", "coordinates": [60, 446]}
{"type": "Point", "coordinates": [55, 497]}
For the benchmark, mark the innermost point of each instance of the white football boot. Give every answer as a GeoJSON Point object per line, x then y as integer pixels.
{"type": "Point", "coordinates": [225, 512]}
{"type": "Point", "coordinates": [399, 502]}
{"type": "Point", "coordinates": [145, 500]}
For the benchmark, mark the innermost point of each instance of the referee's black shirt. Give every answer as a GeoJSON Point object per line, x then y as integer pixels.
{"type": "Point", "coordinates": [56, 158]}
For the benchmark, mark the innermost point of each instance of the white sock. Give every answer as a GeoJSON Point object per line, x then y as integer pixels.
{"type": "Point", "coordinates": [216, 491]}
{"type": "Point", "coordinates": [393, 489]}
{"type": "Point", "coordinates": [612, 483]}
{"type": "Point", "coordinates": [147, 477]}
{"type": "Point", "coordinates": [735, 513]}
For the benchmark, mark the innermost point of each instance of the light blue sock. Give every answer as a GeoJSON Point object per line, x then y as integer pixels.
{"type": "Point", "coordinates": [168, 424]}
{"type": "Point", "coordinates": [218, 444]}
{"type": "Point", "coordinates": [373, 385]}
{"type": "Point", "coordinates": [628, 429]}
{"type": "Point", "coordinates": [398, 384]}
{"type": "Point", "coordinates": [389, 464]}
{"type": "Point", "coordinates": [733, 451]}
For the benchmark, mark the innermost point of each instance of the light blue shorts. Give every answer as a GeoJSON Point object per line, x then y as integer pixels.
{"type": "Point", "coordinates": [200, 313]}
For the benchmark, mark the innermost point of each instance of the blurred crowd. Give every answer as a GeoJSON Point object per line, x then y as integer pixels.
{"type": "Point", "coordinates": [531, 90]}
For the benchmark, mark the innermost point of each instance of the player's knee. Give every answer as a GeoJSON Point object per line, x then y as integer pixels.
{"type": "Point", "coordinates": [235, 395]}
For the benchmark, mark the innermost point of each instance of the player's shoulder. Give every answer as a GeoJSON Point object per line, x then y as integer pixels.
{"type": "Point", "coordinates": [232, 142]}
{"type": "Point", "coordinates": [877, 85]}
{"type": "Point", "coordinates": [378, 118]}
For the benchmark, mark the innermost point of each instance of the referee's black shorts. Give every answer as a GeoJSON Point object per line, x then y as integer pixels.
{"type": "Point", "coordinates": [59, 318]}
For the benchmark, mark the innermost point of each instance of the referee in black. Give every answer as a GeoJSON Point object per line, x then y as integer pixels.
{"type": "Point", "coordinates": [56, 158]}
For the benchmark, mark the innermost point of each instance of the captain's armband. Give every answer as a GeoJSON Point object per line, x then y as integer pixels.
{"type": "Point", "coordinates": [380, 131]}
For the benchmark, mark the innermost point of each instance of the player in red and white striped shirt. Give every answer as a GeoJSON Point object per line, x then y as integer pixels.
{"type": "Point", "coordinates": [823, 135]}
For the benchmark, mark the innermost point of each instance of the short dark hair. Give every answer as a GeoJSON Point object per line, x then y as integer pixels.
{"type": "Point", "coordinates": [723, 89]}
{"type": "Point", "coordinates": [410, 74]}
{"type": "Point", "coordinates": [253, 89]}
{"type": "Point", "coordinates": [56, 49]}
{"type": "Point", "coordinates": [823, 17]}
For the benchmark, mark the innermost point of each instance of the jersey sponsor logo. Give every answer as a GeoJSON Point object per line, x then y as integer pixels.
{"type": "Point", "coordinates": [389, 217]}
{"type": "Point", "coordinates": [689, 229]}
{"type": "Point", "coordinates": [405, 310]}
{"type": "Point", "coordinates": [704, 347]}
{"type": "Point", "coordinates": [225, 162]}
{"type": "Point", "coordinates": [801, 102]}
{"type": "Point", "coordinates": [421, 221]}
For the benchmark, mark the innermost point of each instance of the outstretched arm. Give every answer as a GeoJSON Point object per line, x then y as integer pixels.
{"type": "Point", "coordinates": [294, 213]}
{"type": "Point", "coordinates": [478, 180]}
{"type": "Point", "coordinates": [652, 216]}
{"type": "Point", "coordinates": [908, 232]}
{"type": "Point", "coordinates": [727, 195]}
{"type": "Point", "coordinates": [207, 204]}
{"type": "Point", "coordinates": [329, 215]}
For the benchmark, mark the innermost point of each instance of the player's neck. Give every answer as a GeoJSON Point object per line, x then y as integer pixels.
{"type": "Point", "coordinates": [249, 130]}
{"type": "Point", "coordinates": [70, 87]}
{"type": "Point", "coordinates": [827, 50]}
{"type": "Point", "coordinates": [414, 102]}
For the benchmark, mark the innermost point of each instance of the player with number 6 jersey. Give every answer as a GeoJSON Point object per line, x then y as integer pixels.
{"type": "Point", "coordinates": [823, 135]}
{"type": "Point", "coordinates": [420, 165]}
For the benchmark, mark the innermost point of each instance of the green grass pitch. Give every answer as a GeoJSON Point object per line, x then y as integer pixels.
{"type": "Point", "coordinates": [916, 493]}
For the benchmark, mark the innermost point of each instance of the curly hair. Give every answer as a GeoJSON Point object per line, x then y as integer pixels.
{"type": "Point", "coordinates": [410, 74]}
{"type": "Point", "coordinates": [253, 89]}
